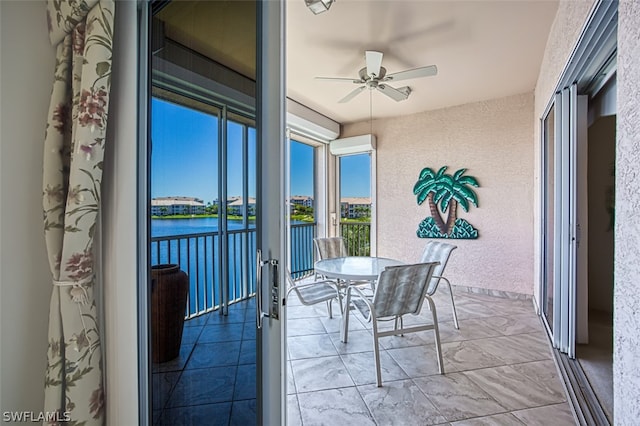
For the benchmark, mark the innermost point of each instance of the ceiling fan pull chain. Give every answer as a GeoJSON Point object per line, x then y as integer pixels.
{"type": "Point", "coordinates": [370, 112]}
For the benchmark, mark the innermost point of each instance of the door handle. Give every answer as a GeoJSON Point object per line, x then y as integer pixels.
{"type": "Point", "coordinates": [274, 289]}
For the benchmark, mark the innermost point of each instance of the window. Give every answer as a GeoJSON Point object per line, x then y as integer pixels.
{"type": "Point", "coordinates": [356, 202]}
{"type": "Point", "coordinates": [302, 204]}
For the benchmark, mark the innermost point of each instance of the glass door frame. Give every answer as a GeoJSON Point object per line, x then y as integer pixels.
{"type": "Point", "coordinates": [563, 261]}
{"type": "Point", "coordinates": [272, 217]}
{"type": "Point", "coordinates": [548, 260]}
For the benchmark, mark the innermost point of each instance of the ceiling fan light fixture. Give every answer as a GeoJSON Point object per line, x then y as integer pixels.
{"type": "Point", "coordinates": [318, 6]}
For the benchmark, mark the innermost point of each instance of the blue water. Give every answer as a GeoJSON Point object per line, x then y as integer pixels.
{"type": "Point", "coordinates": [166, 227]}
{"type": "Point", "coordinates": [199, 256]}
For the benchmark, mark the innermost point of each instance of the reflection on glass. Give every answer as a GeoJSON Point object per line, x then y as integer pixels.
{"type": "Point", "coordinates": [236, 205]}
{"type": "Point", "coordinates": [203, 162]}
{"type": "Point", "coordinates": [252, 168]}
{"type": "Point", "coordinates": [184, 190]}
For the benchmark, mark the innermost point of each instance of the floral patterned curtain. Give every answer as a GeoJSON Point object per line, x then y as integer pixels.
{"type": "Point", "coordinates": [82, 31]}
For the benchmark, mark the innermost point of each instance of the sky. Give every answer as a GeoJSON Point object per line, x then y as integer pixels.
{"type": "Point", "coordinates": [355, 175]}
{"type": "Point", "coordinates": [184, 158]}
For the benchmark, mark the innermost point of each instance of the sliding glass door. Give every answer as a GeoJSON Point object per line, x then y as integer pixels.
{"type": "Point", "coordinates": [215, 143]}
{"type": "Point", "coordinates": [561, 216]}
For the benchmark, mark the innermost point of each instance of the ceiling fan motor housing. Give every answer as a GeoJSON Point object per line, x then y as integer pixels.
{"type": "Point", "coordinates": [364, 77]}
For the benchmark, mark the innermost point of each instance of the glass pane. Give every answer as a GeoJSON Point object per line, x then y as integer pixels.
{"type": "Point", "coordinates": [355, 203]}
{"type": "Point", "coordinates": [302, 202]}
{"type": "Point", "coordinates": [252, 177]}
{"type": "Point", "coordinates": [548, 216]}
{"type": "Point", "coordinates": [236, 205]}
{"type": "Point", "coordinates": [197, 48]}
{"type": "Point", "coordinates": [183, 185]}
{"type": "Point", "coordinates": [252, 182]}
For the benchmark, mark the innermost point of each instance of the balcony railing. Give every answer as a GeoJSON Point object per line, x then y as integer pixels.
{"type": "Point", "coordinates": [199, 255]}
{"type": "Point", "coordinates": [302, 235]}
{"type": "Point", "coordinates": [357, 237]}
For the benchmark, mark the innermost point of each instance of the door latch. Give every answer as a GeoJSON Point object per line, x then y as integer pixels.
{"type": "Point", "coordinates": [274, 289]}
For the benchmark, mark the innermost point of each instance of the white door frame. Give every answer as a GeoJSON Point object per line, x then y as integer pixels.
{"type": "Point", "coordinates": [271, 225]}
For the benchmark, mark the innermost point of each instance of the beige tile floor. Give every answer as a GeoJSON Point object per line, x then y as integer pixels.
{"type": "Point", "coordinates": [498, 368]}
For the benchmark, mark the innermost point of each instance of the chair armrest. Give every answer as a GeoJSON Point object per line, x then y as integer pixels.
{"type": "Point", "coordinates": [301, 286]}
{"type": "Point", "coordinates": [364, 298]}
{"type": "Point", "coordinates": [360, 293]}
{"type": "Point", "coordinates": [440, 277]}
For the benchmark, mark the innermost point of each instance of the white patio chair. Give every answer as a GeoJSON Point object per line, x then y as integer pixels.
{"type": "Point", "coordinates": [312, 293]}
{"type": "Point", "coordinates": [330, 247]}
{"type": "Point", "coordinates": [400, 290]}
{"type": "Point", "coordinates": [437, 251]}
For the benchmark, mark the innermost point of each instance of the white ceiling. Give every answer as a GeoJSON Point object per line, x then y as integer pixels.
{"type": "Point", "coordinates": [483, 50]}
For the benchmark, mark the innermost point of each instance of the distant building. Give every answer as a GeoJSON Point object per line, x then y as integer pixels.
{"type": "Point", "coordinates": [166, 206]}
{"type": "Point", "coordinates": [355, 207]}
{"type": "Point", "coordinates": [300, 200]}
{"type": "Point", "coordinates": [236, 206]}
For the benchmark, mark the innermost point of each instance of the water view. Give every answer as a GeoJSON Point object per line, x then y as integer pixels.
{"type": "Point", "coordinates": [196, 225]}
{"type": "Point", "coordinates": [195, 245]}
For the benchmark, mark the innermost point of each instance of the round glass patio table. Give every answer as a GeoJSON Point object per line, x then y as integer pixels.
{"type": "Point", "coordinates": [354, 268]}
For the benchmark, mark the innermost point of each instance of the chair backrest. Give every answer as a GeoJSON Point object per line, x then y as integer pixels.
{"type": "Point", "coordinates": [328, 248]}
{"type": "Point", "coordinates": [401, 289]}
{"type": "Point", "coordinates": [436, 251]}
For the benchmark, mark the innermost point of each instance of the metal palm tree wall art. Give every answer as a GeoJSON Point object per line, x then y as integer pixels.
{"type": "Point", "coordinates": [444, 193]}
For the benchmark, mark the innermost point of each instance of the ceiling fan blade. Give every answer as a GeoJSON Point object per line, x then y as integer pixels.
{"type": "Point", "coordinates": [414, 73]}
{"type": "Point", "coordinates": [395, 94]}
{"type": "Point", "coordinates": [352, 94]}
{"type": "Point", "coordinates": [374, 62]}
{"type": "Point", "coordinates": [339, 79]}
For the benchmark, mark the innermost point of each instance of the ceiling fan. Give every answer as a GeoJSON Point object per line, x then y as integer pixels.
{"type": "Point", "coordinates": [374, 76]}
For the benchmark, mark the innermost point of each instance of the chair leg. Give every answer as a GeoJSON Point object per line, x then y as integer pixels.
{"type": "Point", "coordinates": [453, 305]}
{"type": "Point", "coordinates": [397, 320]}
{"type": "Point", "coordinates": [376, 353]}
{"type": "Point", "coordinates": [344, 331]}
{"type": "Point", "coordinates": [329, 308]}
{"type": "Point", "coordinates": [436, 332]}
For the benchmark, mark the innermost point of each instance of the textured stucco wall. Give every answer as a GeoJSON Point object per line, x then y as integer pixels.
{"type": "Point", "coordinates": [626, 352]}
{"type": "Point", "coordinates": [563, 37]}
{"type": "Point", "coordinates": [492, 139]}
